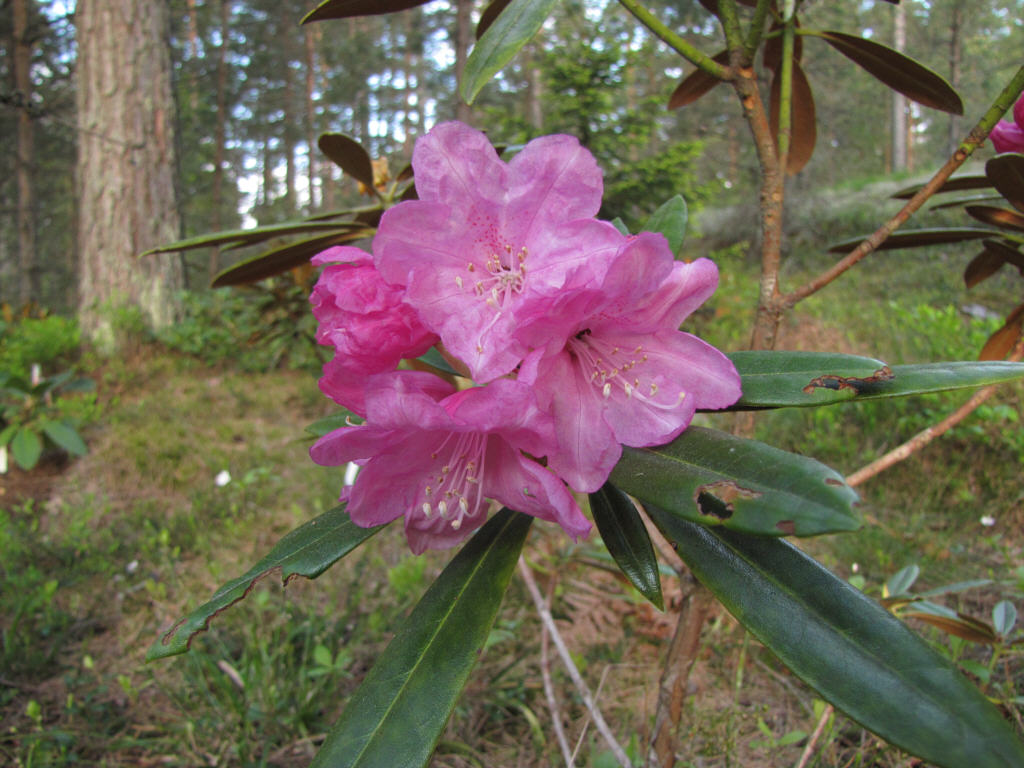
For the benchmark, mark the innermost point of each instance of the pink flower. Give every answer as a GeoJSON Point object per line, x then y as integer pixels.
{"type": "Point", "coordinates": [489, 246]}
{"type": "Point", "coordinates": [1007, 136]}
{"type": "Point", "coordinates": [365, 320]}
{"type": "Point", "coordinates": [627, 375]}
{"type": "Point", "coordinates": [436, 456]}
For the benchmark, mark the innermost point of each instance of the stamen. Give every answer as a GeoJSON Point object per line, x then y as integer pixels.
{"type": "Point", "coordinates": [458, 281]}
{"type": "Point", "coordinates": [426, 509]}
{"type": "Point", "coordinates": [442, 508]}
{"type": "Point", "coordinates": [456, 523]}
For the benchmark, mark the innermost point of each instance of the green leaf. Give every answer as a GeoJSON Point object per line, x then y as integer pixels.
{"type": "Point", "coordinates": [241, 237]}
{"type": "Point", "coordinates": [517, 23]}
{"type": "Point", "coordinates": [899, 583]}
{"type": "Point", "coordinates": [307, 551]}
{"type": "Point", "coordinates": [397, 715]}
{"type": "Point", "coordinates": [26, 448]}
{"type": "Point", "coordinates": [625, 536]}
{"type": "Point", "coordinates": [283, 258]}
{"type": "Point", "coordinates": [670, 220]}
{"type": "Point", "coordinates": [954, 184]}
{"type": "Point", "coordinates": [799, 379]}
{"type": "Point", "coordinates": [1007, 174]}
{"type": "Point", "coordinates": [1004, 617]}
{"type": "Point", "coordinates": [916, 238]}
{"type": "Point", "coordinates": [64, 435]}
{"type": "Point", "coordinates": [488, 15]}
{"type": "Point", "coordinates": [847, 647]}
{"type": "Point", "coordinates": [787, 379]}
{"type": "Point", "coordinates": [714, 478]}
{"type": "Point", "coordinates": [344, 9]}
{"type": "Point", "coordinates": [349, 155]}
{"type": "Point", "coordinates": [997, 217]}
{"type": "Point", "coordinates": [899, 72]}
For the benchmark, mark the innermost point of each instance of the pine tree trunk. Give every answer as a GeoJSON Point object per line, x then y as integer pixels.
{"type": "Point", "coordinates": [28, 278]}
{"type": "Point", "coordinates": [219, 135]}
{"type": "Point", "coordinates": [126, 164]}
{"type": "Point", "coordinates": [899, 101]}
{"type": "Point", "coordinates": [311, 150]}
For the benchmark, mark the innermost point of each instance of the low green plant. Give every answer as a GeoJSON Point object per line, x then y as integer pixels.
{"type": "Point", "coordinates": [50, 342]}
{"type": "Point", "coordinates": [30, 421]}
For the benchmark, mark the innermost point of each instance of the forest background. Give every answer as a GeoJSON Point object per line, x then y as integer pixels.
{"type": "Point", "coordinates": [163, 510]}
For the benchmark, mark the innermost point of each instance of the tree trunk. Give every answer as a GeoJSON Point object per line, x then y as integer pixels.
{"type": "Point", "coordinates": [899, 101]}
{"type": "Point", "coordinates": [28, 278]}
{"type": "Point", "coordinates": [311, 149]}
{"type": "Point", "coordinates": [219, 135]}
{"type": "Point", "coordinates": [955, 59]}
{"type": "Point", "coordinates": [127, 199]}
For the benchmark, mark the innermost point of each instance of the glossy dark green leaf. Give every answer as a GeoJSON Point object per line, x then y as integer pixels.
{"type": "Point", "coordinates": [696, 84]}
{"type": "Point", "coordinates": [344, 9]}
{"type": "Point", "coordinates": [803, 123]}
{"type": "Point", "coordinates": [283, 258]}
{"type": "Point", "coordinates": [395, 718]}
{"type": "Point", "coordinates": [965, 200]}
{"type": "Point", "coordinates": [64, 435]}
{"type": "Point", "coordinates": [899, 72]}
{"type": "Point", "coordinates": [787, 379]}
{"type": "Point", "coordinates": [917, 238]}
{"type": "Point", "coordinates": [796, 379]}
{"type": "Point", "coordinates": [518, 22]}
{"type": "Point", "coordinates": [349, 155]}
{"type": "Point", "coordinates": [847, 647]}
{"type": "Point", "coordinates": [997, 217]}
{"type": "Point", "coordinates": [26, 448]}
{"type": "Point", "coordinates": [624, 534]}
{"type": "Point", "coordinates": [670, 220]}
{"type": "Point", "coordinates": [715, 478]}
{"type": "Point", "coordinates": [1007, 175]}
{"type": "Point", "coordinates": [955, 184]}
{"type": "Point", "coordinates": [242, 237]}
{"type": "Point", "coordinates": [489, 14]}
{"type": "Point", "coordinates": [307, 551]}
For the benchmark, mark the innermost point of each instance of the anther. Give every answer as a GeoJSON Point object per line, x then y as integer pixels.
{"type": "Point", "coordinates": [426, 509]}
{"type": "Point", "coordinates": [458, 281]}
{"type": "Point", "coordinates": [606, 390]}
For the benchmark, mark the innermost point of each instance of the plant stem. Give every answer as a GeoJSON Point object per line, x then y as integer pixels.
{"type": "Point", "coordinates": [574, 673]}
{"type": "Point", "coordinates": [674, 41]}
{"type": "Point", "coordinates": [756, 31]}
{"type": "Point", "coordinates": [972, 141]}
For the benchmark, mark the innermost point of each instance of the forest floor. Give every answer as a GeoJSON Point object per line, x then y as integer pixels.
{"type": "Point", "coordinates": [101, 554]}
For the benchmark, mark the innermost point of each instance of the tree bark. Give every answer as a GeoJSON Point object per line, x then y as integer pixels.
{"type": "Point", "coordinates": [126, 165]}
{"type": "Point", "coordinates": [28, 278]}
{"type": "Point", "coordinates": [955, 58]}
{"type": "Point", "coordinates": [220, 135]}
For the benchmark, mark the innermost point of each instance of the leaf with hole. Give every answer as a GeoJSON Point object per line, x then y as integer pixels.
{"type": "Point", "coordinates": [899, 72]}
{"type": "Point", "coordinates": [1007, 175]}
{"type": "Point", "coordinates": [518, 22]}
{"type": "Point", "coordinates": [787, 379]}
{"type": "Point", "coordinates": [714, 478]}
{"type": "Point", "coordinates": [307, 551]}
{"type": "Point", "coordinates": [396, 717]}
{"type": "Point", "coordinates": [624, 534]}
{"type": "Point", "coordinates": [857, 655]}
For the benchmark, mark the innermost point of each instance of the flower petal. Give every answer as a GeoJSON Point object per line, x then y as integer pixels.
{"type": "Point", "coordinates": [456, 165]}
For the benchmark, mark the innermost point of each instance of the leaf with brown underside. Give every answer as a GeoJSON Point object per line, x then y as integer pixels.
{"type": "Point", "coordinates": [349, 155]}
{"type": "Point", "coordinates": [773, 47]}
{"type": "Point", "coordinates": [345, 9]}
{"type": "Point", "coordinates": [1007, 175]}
{"type": "Point", "coordinates": [990, 260]}
{"type": "Point", "coordinates": [281, 259]}
{"type": "Point", "coordinates": [696, 84]}
{"type": "Point", "coordinates": [916, 238]}
{"type": "Point", "coordinates": [997, 217]}
{"type": "Point", "coordinates": [899, 72]}
{"type": "Point", "coordinates": [490, 13]}
{"type": "Point", "coordinates": [961, 625]}
{"type": "Point", "coordinates": [1002, 341]}
{"type": "Point", "coordinates": [804, 129]}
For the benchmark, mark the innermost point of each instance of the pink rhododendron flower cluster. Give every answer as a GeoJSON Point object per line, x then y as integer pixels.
{"type": "Point", "coordinates": [567, 327]}
{"type": "Point", "coordinates": [1007, 136]}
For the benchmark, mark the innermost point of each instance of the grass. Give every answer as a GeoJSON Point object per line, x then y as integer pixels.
{"type": "Point", "coordinates": [138, 532]}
